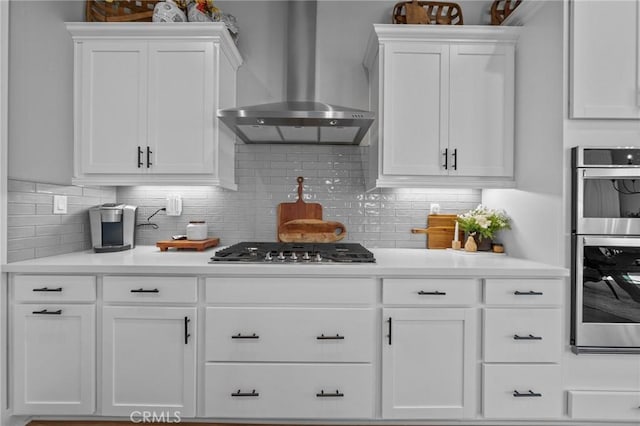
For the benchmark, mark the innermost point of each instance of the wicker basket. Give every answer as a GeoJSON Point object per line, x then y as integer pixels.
{"type": "Point", "coordinates": [120, 10]}
{"type": "Point", "coordinates": [500, 9]}
{"type": "Point", "coordinates": [434, 12]}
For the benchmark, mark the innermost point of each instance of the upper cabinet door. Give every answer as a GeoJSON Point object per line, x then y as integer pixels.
{"type": "Point", "coordinates": [181, 107]}
{"type": "Point", "coordinates": [416, 84]}
{"type": "Point", "coordinates": [112, 108]}
{"type": "Point", "coordinates": [481, 114]}
{"type": "Point", "coordinates": [604, 59]}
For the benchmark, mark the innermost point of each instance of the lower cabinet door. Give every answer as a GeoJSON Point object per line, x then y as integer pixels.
{"type": "Point", "coordinates": [604, 405]}
{"type": "Point", "coordinates": [148, 361]}
{"type": "Point", "coordinates": [429, 363]}
{"type": "Point", "coordinates": [522, 391]}
{"type": "Point", "coordinates": [53, 362]}
{"type": "Point", "coordinates": [268, 390]}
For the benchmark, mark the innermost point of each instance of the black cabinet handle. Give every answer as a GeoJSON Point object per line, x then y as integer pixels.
{"type": "Point", "coordinates": [528, 293]}
{"type": "Point", "coordinates": [455, 159]}
{"type": "Point", "coordinates": [389, 335]}
{"type": "Point", "coordinates": [252, 393]}
{"type": "Point", "coordinates": [186, 330]}
{"type": "Point", "coordinates": [337, 394]}
{"type": "Point", "coordinates": [446, 158]}
{"type": "Point", "coordinates": [432, 293]}
{"type": "Point", "coordinates": [142, 290]}
{"type": "Point", "coordinates": [336, 337]}
{"type": "Point", "coordinates": [529, 337]}
{"type": "Point", "coordinates": [58, 289]}
{"type": "Point", "coordinates": [139, 157]}
{"type": "Point", "coordinates": [149, 152]}
{"type": "Point", "coordinates": [527, 394]}
{"type": "Point", "coordinates": [245, 336]}
{"type": "Point", "coordinates": [46, 312]}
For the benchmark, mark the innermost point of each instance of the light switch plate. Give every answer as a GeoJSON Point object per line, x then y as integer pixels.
{"type": "Point", "coordinates": [59, 204]}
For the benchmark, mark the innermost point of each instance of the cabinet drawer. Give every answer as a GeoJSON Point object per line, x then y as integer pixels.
{"type": "Point", "coordinates": [430, 291]}
{"type": "Point", "coordinates": [608, 405]}
{"type": "Point", "coordinates": [261, 290]}
{"type": "Point", "coordinates": [289, 334]}
{"type": "Point", "coordinates": [522, 391]}
{"type": "Point", "coordinates": [524, 291]}
{"type": "Point", "coordinates": [54, 288]}
{"type": "Point", "coordinates": [150, 289]}
{"type": "Point", "coordinates": [522, 335]}
{"type": "Point", "coordinates": [289, 391]}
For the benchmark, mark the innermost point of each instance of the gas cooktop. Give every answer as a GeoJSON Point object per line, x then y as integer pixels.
{"type": "Point", "coordinates": [294, 253]}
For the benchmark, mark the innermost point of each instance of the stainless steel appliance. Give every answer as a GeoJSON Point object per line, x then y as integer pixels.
{"type": "Point", "coordinates": [294, 253]}
{"type": "Point", "coordinates": [605, 251]}
{"type": "Point", "coordinates": [112, 227]}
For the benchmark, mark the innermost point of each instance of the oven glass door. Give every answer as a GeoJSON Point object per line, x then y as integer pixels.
{"type": "Point", "coordinates": [607, 292]}
{"type": "Point", "coordinates": [608, 201]}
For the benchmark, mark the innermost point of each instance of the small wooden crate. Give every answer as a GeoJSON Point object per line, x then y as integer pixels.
{"type": "Point", "coordinates": [120, 10]}
{"type": "Point", "coordinates": [437, 12]}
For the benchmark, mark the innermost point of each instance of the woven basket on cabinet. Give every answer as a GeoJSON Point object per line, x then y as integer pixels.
{"type": "Point", "coordinates": [119, 10]}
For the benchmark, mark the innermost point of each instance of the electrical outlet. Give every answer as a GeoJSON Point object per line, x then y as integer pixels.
{"type": "Point", "coordinates": [59, 204]}
{"type": "Point", "coordinates": [174, 205]}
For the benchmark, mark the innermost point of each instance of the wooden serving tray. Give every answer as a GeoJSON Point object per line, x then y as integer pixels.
{"type": "Point", "coordinates": [198, 245]}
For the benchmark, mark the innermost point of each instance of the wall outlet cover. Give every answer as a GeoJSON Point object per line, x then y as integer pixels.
{"type": "Point", "coordinates": [174, 205]}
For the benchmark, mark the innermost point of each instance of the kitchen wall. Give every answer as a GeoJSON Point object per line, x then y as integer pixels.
{"type": "Point", "coordinates": [32, 228]}
{"type": "Point", "coordinates": [266, 176]}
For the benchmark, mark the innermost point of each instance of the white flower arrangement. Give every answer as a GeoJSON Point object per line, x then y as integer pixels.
{"type": "Point", "coordinates": [484, 222]}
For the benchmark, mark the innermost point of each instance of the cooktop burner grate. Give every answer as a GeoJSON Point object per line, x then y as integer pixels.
{"type": "Point", "coordinates": [274, 252]}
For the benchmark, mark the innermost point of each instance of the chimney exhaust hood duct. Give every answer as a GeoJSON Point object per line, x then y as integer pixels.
{"type": "Point", "coordinates": [300, 119]}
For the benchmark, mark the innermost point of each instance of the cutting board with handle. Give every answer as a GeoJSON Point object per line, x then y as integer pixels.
{"type": "Point", "coordinates": [311, 231]}
{"type": "Point", "coordinates": [440, 230]}
{"type": "Point", "coordinates": [298, 210]}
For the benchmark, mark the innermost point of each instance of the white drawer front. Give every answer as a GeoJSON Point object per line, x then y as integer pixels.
{"type": "Point", "coordinates": [54, 288]}
{"type": "Point", "coordinates": [289, 334]}
{"type": "Point", "coordinates": [430, 291]}
{"type": "Point", "coordinates": [265, 290]}
{"type": "Point", "coordinates": [608, 406]}
{"type": "Point", "coordinates": [150, 289]}
{"type": "Point", "coordinates": [500, 291]}
{"type": "Point", "coordinates": [522, 335]}
{"type": "Point", "coordinates": [289, 391]}
{"type": "Point", "coordinates": [522, 391]}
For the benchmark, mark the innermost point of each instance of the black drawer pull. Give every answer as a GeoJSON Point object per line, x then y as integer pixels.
{"type": "Point", "coordinates": [245, 336]}
{"type": "Point", "coordinates": [336, 337]}
{"type": "Point", "coordinates": [252, 393]}
{"type": "Point", "coordinates": [529, 337]}
{"type": "Point", "coordinates": [142, 290]}
{"type": "Point", "coordinates": [338, 394]}
{"type": "Point", "coordinates": [389, 335]}
{"type": "Point", "coordinates": [58, 289]}
{"type": "Point", "coordinates": [186, 330]}
{"type": "Point", "coordinates": [528, 394]}
{"type": "Point", "coordinates": [46, 312]}
{"type": "Point", "coordinates": [528, 293]}
{"type": "Point", "coordinates": [432, 293]}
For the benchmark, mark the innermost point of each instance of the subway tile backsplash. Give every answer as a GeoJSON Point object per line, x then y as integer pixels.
{"type": "Point", "coordinates": [266, 176]}
{"type": "Point", "coordinates": [32, 228]}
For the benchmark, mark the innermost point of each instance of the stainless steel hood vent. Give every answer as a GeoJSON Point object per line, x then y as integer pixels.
{"type": "Point", "coordinates": [300, 119]}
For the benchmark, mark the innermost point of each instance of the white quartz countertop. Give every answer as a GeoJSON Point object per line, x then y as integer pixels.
{"type": "Point", "coordinates": [389, 262]}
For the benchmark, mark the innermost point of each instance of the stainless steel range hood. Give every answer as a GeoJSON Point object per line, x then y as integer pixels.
{"type": "Point", "coordinates": [300, 119]}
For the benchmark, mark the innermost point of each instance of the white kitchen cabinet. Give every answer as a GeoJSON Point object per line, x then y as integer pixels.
{"type": "Point", "coordinates": [604, 53]}
{"type": "Point", "coordinates": [148, 360]}
{"type": "Point", "coordinates": [444, 98]}
{"type": "Point", "coordinates": [146, 99]}
{"type": "Point", "coordinates": [53, 355]}
{"type": "Point", "coordinates": [428, 363]}
{"type": "Point", "coordinates": [604, 405]}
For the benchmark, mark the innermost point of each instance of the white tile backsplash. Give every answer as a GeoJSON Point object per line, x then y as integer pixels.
{"type": "Point", "coordinates": [266, 176]}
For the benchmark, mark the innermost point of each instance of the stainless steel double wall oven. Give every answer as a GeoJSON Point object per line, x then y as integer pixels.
{"type": "Point", "coordinates": [605, 250]}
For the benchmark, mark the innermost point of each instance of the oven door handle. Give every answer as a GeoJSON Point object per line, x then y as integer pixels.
{"type": "Point", "coordinates": [610, 172]}
{"type": "Point", "coordinates": [610, 241]}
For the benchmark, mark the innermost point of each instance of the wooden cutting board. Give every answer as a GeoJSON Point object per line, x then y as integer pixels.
{"type": "Point", "coordinates": [298, 210]}
{"type": "Point", "coordinates": [311, 231]}
{"type": "Point", "coordinates": [440, 230]}
{"type": "Point", "coordinates": [198, 245]}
